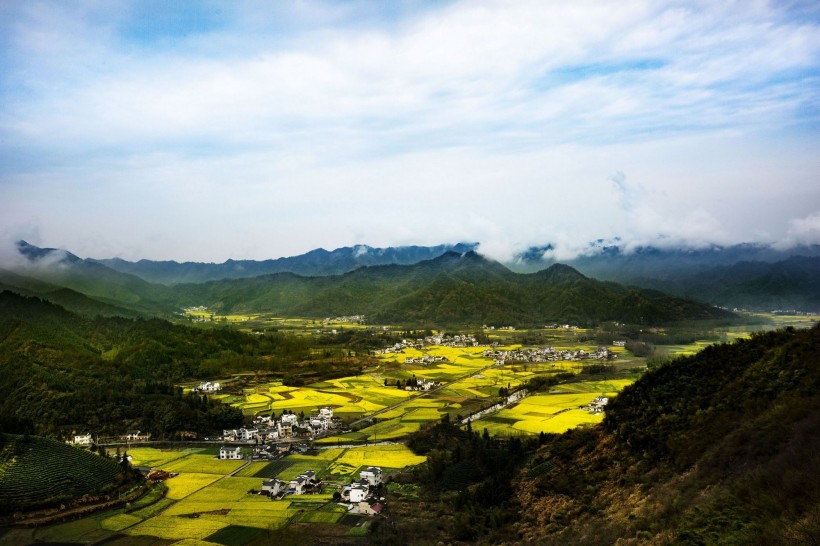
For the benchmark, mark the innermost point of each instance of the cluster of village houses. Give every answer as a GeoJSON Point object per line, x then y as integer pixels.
{"type": "Point", "coordinates": [360, 496]}
{"type": "Point", "coordinates": [597, 405]}
{"type": "Point", "coordinates": [207, 386]}
{"type": "Point", "coordinates": [421, 384]}
{"type": "Point", "coordinates": [349, 319]}
{"type": "Point", "coordinates": [266, 428]}
{"type": "Point", "coordinates": [458, 341]}
{"type": "Point", "coordinates": [546, 354]}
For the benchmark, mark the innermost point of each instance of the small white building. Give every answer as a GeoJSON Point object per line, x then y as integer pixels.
{"type": "Point", "coordinates": [289, 419]}
{"type": "Point", "coordinates": [230, 453]}
{"type": "Point", "coordinates": [297, 485]}
{"type": "Point", "coordinates": [207, 386]}
{"type": "Point", "coordinates": [373, 475]}
{"type": "Point", "coordinates": [82, 439]}
{"type": "Point", "coordinates": [273, 487]}
{"type": "Point", "coordinates": [246, 434]}
{"type": "Point", "coordinates": [326, 413]}
{"type": "Point", "coordinates": [358, 492]}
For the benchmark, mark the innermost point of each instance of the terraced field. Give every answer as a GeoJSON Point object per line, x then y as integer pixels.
{"type": "Point", "coordinates": [37, 471]}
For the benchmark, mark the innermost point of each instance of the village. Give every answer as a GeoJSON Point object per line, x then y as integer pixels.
{"type": "Point", "coordinates": [362, 496]}
{"type": "Point", "coordinates": [547, 354]}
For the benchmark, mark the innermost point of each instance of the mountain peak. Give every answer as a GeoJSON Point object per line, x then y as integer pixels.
{"type": "Point", "coordinates": [560, 272]}
{"type": "Point", "coordinates": [35, 254]}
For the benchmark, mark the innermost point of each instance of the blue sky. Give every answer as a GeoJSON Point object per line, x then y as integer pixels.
{"type": "Point", "coordinates": [214, 130]}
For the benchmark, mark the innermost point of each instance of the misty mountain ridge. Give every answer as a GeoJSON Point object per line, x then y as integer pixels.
{"type": "Point", "coordinates": [615, 260]}
{"type": "Point", "coordinates": [704, 273]}
{"type": "Point", "coordinates": [313, 263]}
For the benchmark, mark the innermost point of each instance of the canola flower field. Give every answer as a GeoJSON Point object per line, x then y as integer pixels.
{"type": "Point", "coordinates": [198, 505]}
{"type": "Point", "coordinates": [468, 382]}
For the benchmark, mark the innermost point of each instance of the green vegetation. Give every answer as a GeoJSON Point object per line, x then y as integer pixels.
{"type": "Point", "coordinates": [37, 472]}
{"type": "Point", "coordinates": [65, 373]}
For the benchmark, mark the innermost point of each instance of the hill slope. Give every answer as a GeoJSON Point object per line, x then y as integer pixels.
{"type": "Point", "coordinates": [64, 372]}
{"type": "Point", "coordinates": [65, 297]}
{"type": "Point", "coordinates": [718, 448]}
{"type": "Point", "coordinates": [37, 472]}
{"type": "Point", "coordinates": [789, 284]}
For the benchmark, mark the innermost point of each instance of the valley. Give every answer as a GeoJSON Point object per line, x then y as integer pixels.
{"type": "Point", "coordinates": [450, 377]}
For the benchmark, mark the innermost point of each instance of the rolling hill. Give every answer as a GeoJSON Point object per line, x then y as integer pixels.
{"type": "Point", "coordinates": [752, 276]}
{"type": "Point", "coordinates": [791, 284]}
{"type": "Point", "coordinates": [451, 289]}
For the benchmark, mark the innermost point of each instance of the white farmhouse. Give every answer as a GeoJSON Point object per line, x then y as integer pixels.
{"type": "Point", "coordinates": [289, 419]}
{"type": "Point", "coordinates": [273, 487]}
{"type": "Point", "coordinates": [358, 492]}
{"type": "Point", "coordinates": [82, 439]}
{"type": "Point", "coordinates": [373, 475]}
{"type": "Point", "coordinates": [230, 453]}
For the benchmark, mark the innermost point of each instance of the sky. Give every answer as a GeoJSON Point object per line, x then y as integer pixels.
{"type": "Point", "coordinates": [250, 130]}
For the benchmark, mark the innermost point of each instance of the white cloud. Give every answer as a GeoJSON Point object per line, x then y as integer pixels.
{"type": "Point", "coordinates": [803, 231]}
{"type": "Point", "coordinates": [476, 120]}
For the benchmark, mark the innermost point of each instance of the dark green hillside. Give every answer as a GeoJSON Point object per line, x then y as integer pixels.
{"type": "Point", "coordinates": [454, 289]}
{"type": "Point", "coordinates": [37, 472]}
{"type": "Point", "coordinates": [718, 448]}
{"type": "Point", "coordinates": [65, 297]}
{"type": "Point", "coordinates": [789, 284]}
{"type": "Point", "coordinates": [63, 372]}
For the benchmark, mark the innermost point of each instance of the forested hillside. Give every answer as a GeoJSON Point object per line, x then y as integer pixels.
{"type": "Point", "coordinates": [62, 372]}
{"type": "Point", "coordinates": [718, 448]}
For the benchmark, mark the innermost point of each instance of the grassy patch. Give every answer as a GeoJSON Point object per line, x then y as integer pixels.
{"type": "Point", "coordinates": [234, 535]}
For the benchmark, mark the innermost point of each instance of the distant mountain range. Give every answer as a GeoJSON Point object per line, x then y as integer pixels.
{"type": "Point", "coordinates": [390, 282]}
{"type": "Point", "coordinates": [752, 276]}
{"type": "Point", "coordinates": [314, 263]}
{"type": "Point", "coordinates": [453, 288]}
{"type": "Point", "coordinates": [612, 260]}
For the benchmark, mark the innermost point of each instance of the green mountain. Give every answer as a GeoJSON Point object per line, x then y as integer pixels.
{"type": "Point", "coordinates": [793, 283]}
{"type": "Point", "coordinates": [65, 297]}
{"type": "Point", "coordinates": [39, 472]}
{"type": "Point", "coordinates": [64, 372]}
{"type": "Point", "coordinates": [63, 269]}
{"type": "Point", "coordinates": [451, 289]}
{"type": "Point", "coordinates": [717, 448]}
